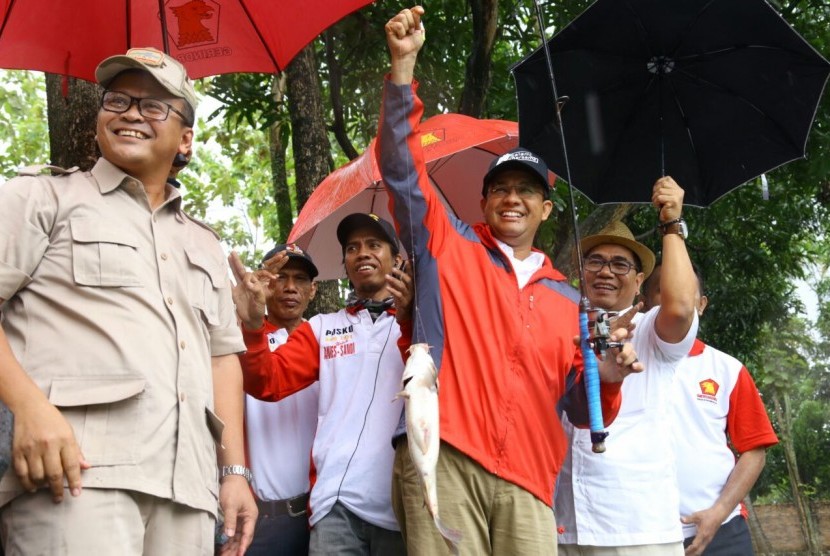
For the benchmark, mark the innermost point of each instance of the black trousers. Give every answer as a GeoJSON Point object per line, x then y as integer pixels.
{"type": "Point", "coordinates": [732, 539]}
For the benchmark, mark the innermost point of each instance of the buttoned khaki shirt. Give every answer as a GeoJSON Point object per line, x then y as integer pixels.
{"type": "Point", "coordinates": [114, 310]}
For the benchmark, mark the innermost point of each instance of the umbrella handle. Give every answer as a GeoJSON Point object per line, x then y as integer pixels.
{"type": "Point", "coordinates": [591, 378]}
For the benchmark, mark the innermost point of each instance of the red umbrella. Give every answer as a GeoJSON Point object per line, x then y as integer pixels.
{"type": "Point", "coordinates": [458, 150]}
{"type": "Point", "coordinates": [209, 37]}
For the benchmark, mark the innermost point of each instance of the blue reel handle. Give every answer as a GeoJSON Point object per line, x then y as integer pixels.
{"type": "Point", "coordinates": [591, 378]}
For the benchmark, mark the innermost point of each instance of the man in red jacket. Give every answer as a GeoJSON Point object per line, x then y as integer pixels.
{"type": "Point", "coordinates": [500, 322]}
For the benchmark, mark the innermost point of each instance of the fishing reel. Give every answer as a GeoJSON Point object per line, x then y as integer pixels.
{"type": "Point", "coordinates": [599, 331]}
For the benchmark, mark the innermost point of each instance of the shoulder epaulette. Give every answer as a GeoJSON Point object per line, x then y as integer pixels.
{"type": "Point", "coordinates": [203, 225]}
{"type": "Point", "coordinates": [38, 169]}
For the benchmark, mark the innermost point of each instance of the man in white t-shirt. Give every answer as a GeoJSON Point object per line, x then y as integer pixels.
{"type": "Point", "coordinates": [717, 407]}
{"type": "Point", "coordinates": [356, 355]}
{"type": "Point", "coordinates": [624, 501]}
{"type": "Point", "coordinates": [279, 435]}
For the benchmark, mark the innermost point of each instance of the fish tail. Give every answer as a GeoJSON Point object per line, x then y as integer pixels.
{"type": "Point", "coordinates": [451, 536]}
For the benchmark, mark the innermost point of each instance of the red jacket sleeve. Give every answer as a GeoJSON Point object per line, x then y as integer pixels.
{"type": "Point", "coordinates": [272, 375]}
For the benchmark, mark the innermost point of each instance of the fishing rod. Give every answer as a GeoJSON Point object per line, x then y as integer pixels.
{"type": "Point", "coordinates": [594, 327]}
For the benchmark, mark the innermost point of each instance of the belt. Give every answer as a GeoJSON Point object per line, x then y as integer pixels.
{"type": "Point", "coordinates": [292, 507]}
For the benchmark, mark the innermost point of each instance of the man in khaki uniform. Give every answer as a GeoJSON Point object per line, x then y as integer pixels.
{"type": "Point", "coordinates": [118, 343]}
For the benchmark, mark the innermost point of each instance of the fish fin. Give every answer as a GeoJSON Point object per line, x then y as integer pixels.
{"type": "Point", "coordinates": [451, 536]}
{"type": "Point", "coordinates": [422, 441]}
{"type": "Point", "coordinates": [402, 394]}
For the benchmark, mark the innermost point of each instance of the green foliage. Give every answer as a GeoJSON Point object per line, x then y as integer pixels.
{"type": "Point", "coordinates": [811, 435]}
{"type": "Point", "coordinates": [25, 137]}
{"type": "Point", "coordinates": [788, 369]}
{"type": "Point", "coordinates": [228, 182]}
{"type": "Point", "coordinates": [247, 99]}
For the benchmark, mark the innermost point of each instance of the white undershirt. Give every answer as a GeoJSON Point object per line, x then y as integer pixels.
{"type": "Point", "coordinates": [524, 268]}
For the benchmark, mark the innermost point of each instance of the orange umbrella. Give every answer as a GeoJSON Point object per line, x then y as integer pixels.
{"type": "Point", "coordinates": [209, 37]}
{"type": "Point", "coordinates": [458, 150]}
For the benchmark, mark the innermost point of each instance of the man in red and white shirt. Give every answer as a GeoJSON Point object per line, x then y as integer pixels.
{"type": "Point", "coordinates": [715, 405]}
{"type": "Point", "coordinates": [279, 435]}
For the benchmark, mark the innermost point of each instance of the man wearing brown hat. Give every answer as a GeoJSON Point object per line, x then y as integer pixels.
{"type": "Point", "coordinates": [355, 356]}
{"type": "Point", "coordinates": [624, 501]}
{"type": "Point", "coordinates": [500, 323]}
{"type": "Point", "coordinates": [118, 343]}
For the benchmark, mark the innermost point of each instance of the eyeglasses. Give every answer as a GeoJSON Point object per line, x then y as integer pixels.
{"type": "Point", "coordinates": [620, 267]}
{"type": "Point", "coordinates": [526, 191]}
{"type": "Point", "coordinates": [150, 108]}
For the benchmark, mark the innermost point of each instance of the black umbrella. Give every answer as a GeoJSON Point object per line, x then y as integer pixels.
{"type": "Point", "coordinates": [711, 92]}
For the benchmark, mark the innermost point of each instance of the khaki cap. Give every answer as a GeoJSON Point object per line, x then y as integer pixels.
{"type": "Point", "coordinates": [618, 233]}
{"type": "Point", "coordinates": [166, 70]}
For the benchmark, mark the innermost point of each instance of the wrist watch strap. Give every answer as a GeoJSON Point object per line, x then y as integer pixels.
{"type": "Point", "coordinates": [664, 225]}
{"type": "Point", "coordinates": [676, 226]}
{"type": "Point", "coordinates": [236, 470]}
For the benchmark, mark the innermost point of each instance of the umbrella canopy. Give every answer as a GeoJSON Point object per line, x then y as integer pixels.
{"type": "Point", "coordinates": [209, 37]}
{"type": "Point", "coordinates": [711, 92]}
{"type": "Point", "coordinates": [458, 150]}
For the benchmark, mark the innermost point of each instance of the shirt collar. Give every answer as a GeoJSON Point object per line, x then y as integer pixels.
{"type": "Point", "coordinates": [110, 177]}
{"type": "Point", "coordinates": [697, 348]}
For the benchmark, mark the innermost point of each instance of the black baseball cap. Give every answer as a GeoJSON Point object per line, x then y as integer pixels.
{"type": "Point", "coordinates": [358, 220]}
{"type": "Point", "coordinates": [295, 254]}
{"type": "Point", "coordinates": [518, 159]}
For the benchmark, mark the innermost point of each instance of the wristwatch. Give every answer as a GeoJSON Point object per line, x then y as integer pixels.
{"type": "Point", "coordinates": [676, 226]}
{"type": "Point", "coordinates": [236, 470]}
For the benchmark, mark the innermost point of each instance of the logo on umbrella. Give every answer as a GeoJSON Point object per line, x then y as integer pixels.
{"type": "Point", "coordinates": [432, 137]}
{"type": "Point", "coordinates": [193, 23]}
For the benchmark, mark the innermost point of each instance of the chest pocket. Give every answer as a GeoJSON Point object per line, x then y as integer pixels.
{"type": "Point", "coordinates": [206, 276]}
{"type": "Point", "coordinates": [103, 253]}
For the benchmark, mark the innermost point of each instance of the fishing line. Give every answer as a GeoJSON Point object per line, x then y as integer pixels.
{"type": "Point", "coordinates": [591, 372]}
{"type": "Point", "coordinates": [371, 401]}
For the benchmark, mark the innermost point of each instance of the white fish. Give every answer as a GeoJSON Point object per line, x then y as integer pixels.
{"type": "Point", "coordinates": [420, 393]}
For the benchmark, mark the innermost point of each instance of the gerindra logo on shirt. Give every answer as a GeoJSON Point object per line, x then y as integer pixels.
{"type": "Point", "coordinates": [708, 390]}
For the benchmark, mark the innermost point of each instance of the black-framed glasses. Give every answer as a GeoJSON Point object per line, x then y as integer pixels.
{"type": "Point", "coordinates": [620, 267]}
{"type": "Point", "coordinates": [524, 191]}
{"type": "Point", "coordinates": [150, 108]}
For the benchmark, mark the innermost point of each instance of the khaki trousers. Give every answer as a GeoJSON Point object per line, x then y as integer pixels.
{"type": "Point", "coordinates": [102, 522]}
{"type": "Point", "coordinates": [493, 515]}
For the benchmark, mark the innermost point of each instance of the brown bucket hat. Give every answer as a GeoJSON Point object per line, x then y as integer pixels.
{"type": "Point", "coordinates": [618, 233]}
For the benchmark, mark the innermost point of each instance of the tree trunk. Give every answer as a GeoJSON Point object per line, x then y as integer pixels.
{"type": "Point", "coordinates": [812, 538]}
{"type": "Point", "coordinates": [72, 113]}
{"type": "Point", "coordinates": [279, 174]}
{"type": "Point", "coordinates": [312, 151]}
{"type": "Point", "coordinates": [477, 79]}
{"type": "Point", "coordinates": [336, 97]}
{"type": "Point", "coordinates": [565, 261]}
{"type": "Point", "coordinates": [760, 542]}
